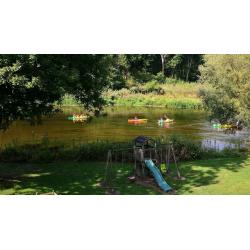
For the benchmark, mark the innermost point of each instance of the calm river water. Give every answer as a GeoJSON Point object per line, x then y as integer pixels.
{"type": "Point", "coordinates": [114, 127]}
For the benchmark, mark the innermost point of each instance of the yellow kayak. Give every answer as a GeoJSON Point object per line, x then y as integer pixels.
{"type": "Point", "coordinates": [78, 118]}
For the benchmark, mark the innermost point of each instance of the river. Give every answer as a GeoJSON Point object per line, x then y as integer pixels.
{"type": "Point", "coordinates": [192, 124]}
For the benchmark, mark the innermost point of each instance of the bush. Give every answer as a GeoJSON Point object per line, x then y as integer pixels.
{"type": "Point", "coordinates": [153, 87]}
{"type": "Point", "coordinates": [160, 78]}
{"type": "Point", "coordinates": [185, 149]}
{"type": "Point", "coordinates": [136, 89]}
{"type": "Point", "coordinates": [142, 77]}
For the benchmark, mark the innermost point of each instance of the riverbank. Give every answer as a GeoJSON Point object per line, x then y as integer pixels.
{"type": "Point", "coordinates": [48, 151]}
{"type": "Point", "coordinates": [176, 95]}
{"type": "Point", "coordinates": [212, 176]}
{"type": "Point", "coordinates": [80, 168]}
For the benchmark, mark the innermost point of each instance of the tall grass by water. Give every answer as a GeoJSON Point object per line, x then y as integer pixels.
{"type": "Point", "coordinates": [151, 100]}
{"type": "Point", "coordinates": [49, 151]}
{"type": "Point", "coordinates": [173, 94]}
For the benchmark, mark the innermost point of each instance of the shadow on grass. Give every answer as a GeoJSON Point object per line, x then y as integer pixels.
{"type": "Point", "coordinates": [64, 178]}
{"type": "Point", "coordinates": [86, 177]}
{"type": "Point", "coordinates": [205, 172]}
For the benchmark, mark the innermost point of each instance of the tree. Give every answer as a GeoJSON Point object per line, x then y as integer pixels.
{"type": "Point", "coordinates": [163, 63]}
{"type": "Point", "coordinates": [31, 84]}
{"type": "Point", "coordinates": [184, 66]}
{"type": "Point", "coordinates": [229, 75]}
{"type": "Point", "coordinates": [119, 71]}
{"type": "Point", "coordinates": [144, 67]}
{"type": "Point", "coordinates": [144, 63]}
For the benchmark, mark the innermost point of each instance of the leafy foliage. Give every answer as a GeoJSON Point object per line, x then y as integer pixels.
{"type": "Point", "coordinates": [47, 151]}
{"type": "Point", "coordinates": [31, 84]}
{"type": "Point", "coordinates": [144, 68]}
{"type": "Point", "coordinates": [229, 100]}
{"type": "Point", "coordinates": [184, 67]}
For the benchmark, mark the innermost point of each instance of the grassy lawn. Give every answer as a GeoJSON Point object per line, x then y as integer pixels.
{"type": "Point", "coordinates": [216, 176]}
{"type": "Point", "coordinates": [64, 178]}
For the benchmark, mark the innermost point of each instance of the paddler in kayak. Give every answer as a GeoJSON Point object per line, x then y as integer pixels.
{"type": "Point", "coordinates": [161, 120]}
{"type": "Point", "coordinates": [165, 117]}
{"type": "Point", "coordinates": [74, 118]}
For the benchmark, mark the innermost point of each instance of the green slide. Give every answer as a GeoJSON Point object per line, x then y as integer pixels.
{"type": "Point", "coordinates": [157, 175]}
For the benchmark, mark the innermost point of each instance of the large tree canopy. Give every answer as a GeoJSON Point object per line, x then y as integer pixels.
{"type": "Point", "coordinates": [229, 100]}
{"type": "Point", "coordinates": [31, 84]}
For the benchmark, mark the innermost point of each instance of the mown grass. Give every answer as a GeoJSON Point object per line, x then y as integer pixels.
{"type": "Point", "coordinates": [213, 176]}
{"type": "Point", "coordinates": [65, 178]}
{"type": "Point", "coordinates": [80, 169]}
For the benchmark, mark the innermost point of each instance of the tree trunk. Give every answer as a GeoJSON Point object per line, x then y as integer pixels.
{"type": "Point", "coordinates": [189, 68]}
{"type": "Point", "coordinates": [163, 64]}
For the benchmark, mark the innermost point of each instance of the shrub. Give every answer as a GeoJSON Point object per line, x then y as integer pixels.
{"type": "Point", "coordinates": [136, 89]}
{"type": "Point", "coordinates": [142, 77]}
{"type": "Point", "coordinates": [184, 148]}
{"type": "Point", "coordinates": [160, 77]}
{"type": "Point", "coordinates": [153, 87]}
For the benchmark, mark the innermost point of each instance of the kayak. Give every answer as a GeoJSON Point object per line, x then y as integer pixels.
{"type": "Point", "coordinates": [165, 121]}
{"type": "Point", "coordinates": [137, 120]}
{"type": "Point", "coordinates": [228, 126]}
{"type": "Point", "coordinates": [75, 118]}
{"type": "Point", "coordinates": [224, 126]}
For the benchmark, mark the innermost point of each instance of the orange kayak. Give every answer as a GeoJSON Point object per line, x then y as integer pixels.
{"type": "Point", "coordinates": [137, 121]}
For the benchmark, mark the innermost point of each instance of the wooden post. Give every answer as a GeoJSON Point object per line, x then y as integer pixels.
{"type": "Point", "coordinates": [177, 169]}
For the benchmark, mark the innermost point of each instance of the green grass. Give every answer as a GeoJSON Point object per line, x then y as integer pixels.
{"type": "Point", "coordinates": [179, 96]}
{"type": "Point", "coordinates": [160, 101]}
{"type": "Point", "coordinates": [48, 151]}
{"type": "Point", "coordinates": [214, 176]}
{"type": "Point", "coordinates": [64, 178]}
{"type": "Point", "coordinates": [69, 100]}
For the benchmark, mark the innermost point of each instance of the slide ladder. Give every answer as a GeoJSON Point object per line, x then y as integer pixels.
{"type": "Point", "coordinates": [157, 175]}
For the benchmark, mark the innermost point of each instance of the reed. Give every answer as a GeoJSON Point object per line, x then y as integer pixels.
{"type": "Point", "coordinates": [171, 95]}
{"type": "Point", "coordinates": [47, 151]}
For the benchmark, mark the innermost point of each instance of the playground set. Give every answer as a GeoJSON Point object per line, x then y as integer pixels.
{"type": "Point", "coordinates": [149, 157]}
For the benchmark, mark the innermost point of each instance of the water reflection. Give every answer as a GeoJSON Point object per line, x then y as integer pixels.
{"type": "Point", "coordinates": [114, 127]}
{"type": "Point", "coordinates": [220, 145]}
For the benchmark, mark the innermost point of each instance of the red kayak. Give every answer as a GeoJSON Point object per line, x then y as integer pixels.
{"type": "Point", "coordinates": [133, 121]}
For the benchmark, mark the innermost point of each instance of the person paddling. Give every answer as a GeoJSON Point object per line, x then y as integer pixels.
{"type": "Point", "coordinates": [165, 117]}
{"type": "Point", "coordinates": [161, 120]}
